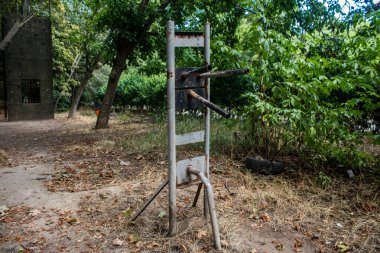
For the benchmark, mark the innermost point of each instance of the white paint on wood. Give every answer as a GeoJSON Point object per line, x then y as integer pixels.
{"type": "Point", "coordinates": [189, 41]}
{"type": "Point", "coordinates": [188, 138]}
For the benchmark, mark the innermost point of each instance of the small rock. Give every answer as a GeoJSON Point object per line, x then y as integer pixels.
{"type": "Point", "coordinates": [339, 225]}
{"type": "Point", "coordinates": [350, 173]}
{"type": "Point", "coordinates": [124, 163]}
{"type": "Point", "coordinates": [117, 242]}
{"type": "Point", "coordinates": [315, 236]}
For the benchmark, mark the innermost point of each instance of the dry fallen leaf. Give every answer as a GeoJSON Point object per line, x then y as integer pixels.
{"type": "Point", "coordinates": [266, 217]}
{"type": "Point", "coordinates": [296, 227]}
{"type": "Point", "coordinates": [224, 243]}
{"type": "Point", "coordinates": [297, 243]}
{"type": "Point", "coordinates": [34, 212]}
{"type": "Point", "coordinates": [256, 225]}
{"type": "Point", "coordinates": [152, 245]}
{"type": "Point", "coordinates": [133, 238]}
{"type": "Point", "coordinates": [117, 242]}
{"type": "Point", "coordinates": [72, 220]}
{"type": "Point", "coordinates": [201, 233]}
{"type": "Point", "coordinates": [19, 238]}
{"type": "Point", "coordinates": [278, 246]}
{"type": "Point", "coordinates": [187, 200]}
{"type": "Point", "coordinates": [139, 244]}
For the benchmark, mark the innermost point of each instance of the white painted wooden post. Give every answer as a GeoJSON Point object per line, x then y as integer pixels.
{"type": "Point", "coordinates": [170, 48]}
{"type": "Point", "coordinates": [207, 115]}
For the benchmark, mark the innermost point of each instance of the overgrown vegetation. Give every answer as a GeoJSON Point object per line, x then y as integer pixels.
{"type": "Point", "coordinates": [311, 99]}
{"type": "Point", "coordinates": [332, 212]}
{"type": "Point", "coordinates": [313, 92]}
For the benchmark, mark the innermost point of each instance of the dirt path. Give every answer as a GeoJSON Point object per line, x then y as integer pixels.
{"type": "Point", "coordinates": [68, 188]}
{"type": "Point", "coordinates": [31, 151]}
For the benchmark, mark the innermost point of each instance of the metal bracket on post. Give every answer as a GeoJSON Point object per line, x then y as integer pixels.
{"type": "Point", "coordinates": [211, 204]}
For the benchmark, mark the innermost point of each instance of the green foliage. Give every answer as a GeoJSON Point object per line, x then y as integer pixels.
{"type": "Point", "coordinates": [94, 91]}
{"type": "Point", "coordinates": [314, 85]}
{"type": "Point", "coordinates": [140, 91]}
{"type": "Point", "coordinates": [66, 49]}
{"type": "Point", "coordinates": [323, 180]}
{"type": "Point", "coordinates": [309, 92]}
{"type": "Point", "coordinates": [153, 65]}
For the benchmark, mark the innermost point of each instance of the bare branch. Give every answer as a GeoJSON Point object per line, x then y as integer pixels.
{"type": "Point", "coordinates": [13, 31]}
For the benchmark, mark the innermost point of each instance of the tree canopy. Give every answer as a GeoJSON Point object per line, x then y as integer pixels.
{"type": "Point", "coordinates": [314, 81]}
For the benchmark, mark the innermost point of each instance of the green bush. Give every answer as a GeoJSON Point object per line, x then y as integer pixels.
{"type": "Point", "coordinates": [309, 94]}
{"type": "Point", "coordinates": [140, 91]}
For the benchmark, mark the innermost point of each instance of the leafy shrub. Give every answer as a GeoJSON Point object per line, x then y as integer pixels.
{"type": "Point", "coordinates": [309, 93]}
{"type": "Point", "coordinates": [140, 91]}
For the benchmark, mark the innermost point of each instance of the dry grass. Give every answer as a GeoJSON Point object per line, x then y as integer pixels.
{"type": "Point", "coordinates": [253, 210]}
{"type": "Point", "coordinates": [4, 158]}
{"type": "Point", "coordinates": [344, 211]}
{"type": "Point", "coordinates": [247, 203]}
{"type": "Point", "coordinates": [348, 210]}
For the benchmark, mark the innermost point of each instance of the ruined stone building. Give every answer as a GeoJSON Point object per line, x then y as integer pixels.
{"type": "Point", "coordinates": [26, 79]}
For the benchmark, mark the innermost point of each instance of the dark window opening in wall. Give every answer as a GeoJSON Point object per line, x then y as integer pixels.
{"type": "Point", "coordinates": [30, 90]}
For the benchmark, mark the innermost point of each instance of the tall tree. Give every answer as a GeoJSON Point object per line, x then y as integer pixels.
{"type": "Point", "coordinates": [130, 24]}
{"type": "Point", "coordinates": [90, 48]}
{"type": "Point", "coordinates": [91, 63]}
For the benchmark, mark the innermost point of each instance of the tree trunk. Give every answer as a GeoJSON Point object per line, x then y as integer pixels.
{"type": "Point", "coordinates": [78, 93]}
{"type": "Point", "coordinates": [83, 83]}
{"type": "Point", "coordinates": [25, 9]}
{"type": "Point", "coordinates": [122, 52]}
{"type": "Point", "coordinates": [117, 68]}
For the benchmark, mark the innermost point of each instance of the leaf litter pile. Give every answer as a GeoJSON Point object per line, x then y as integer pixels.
{"type": "Point", "coordinates": [256, 213]}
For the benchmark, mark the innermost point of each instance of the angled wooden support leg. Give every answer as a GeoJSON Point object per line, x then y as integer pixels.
{"type": "Point", "coordinates": [147, 203]}
{"type": "Point", "coordinates": [197, 195]}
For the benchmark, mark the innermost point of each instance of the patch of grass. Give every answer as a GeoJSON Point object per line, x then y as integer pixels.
{"type": "Point", "coordinates": [151, 141]}
{"type": "Point", "coordinates": [247, 204]}
{"type": "Point", "coordinates": [227, 136]}
{"type": "Point", "coordinates": [307, 204]}
{"type": "Point", "coordinates": [4, 158]}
